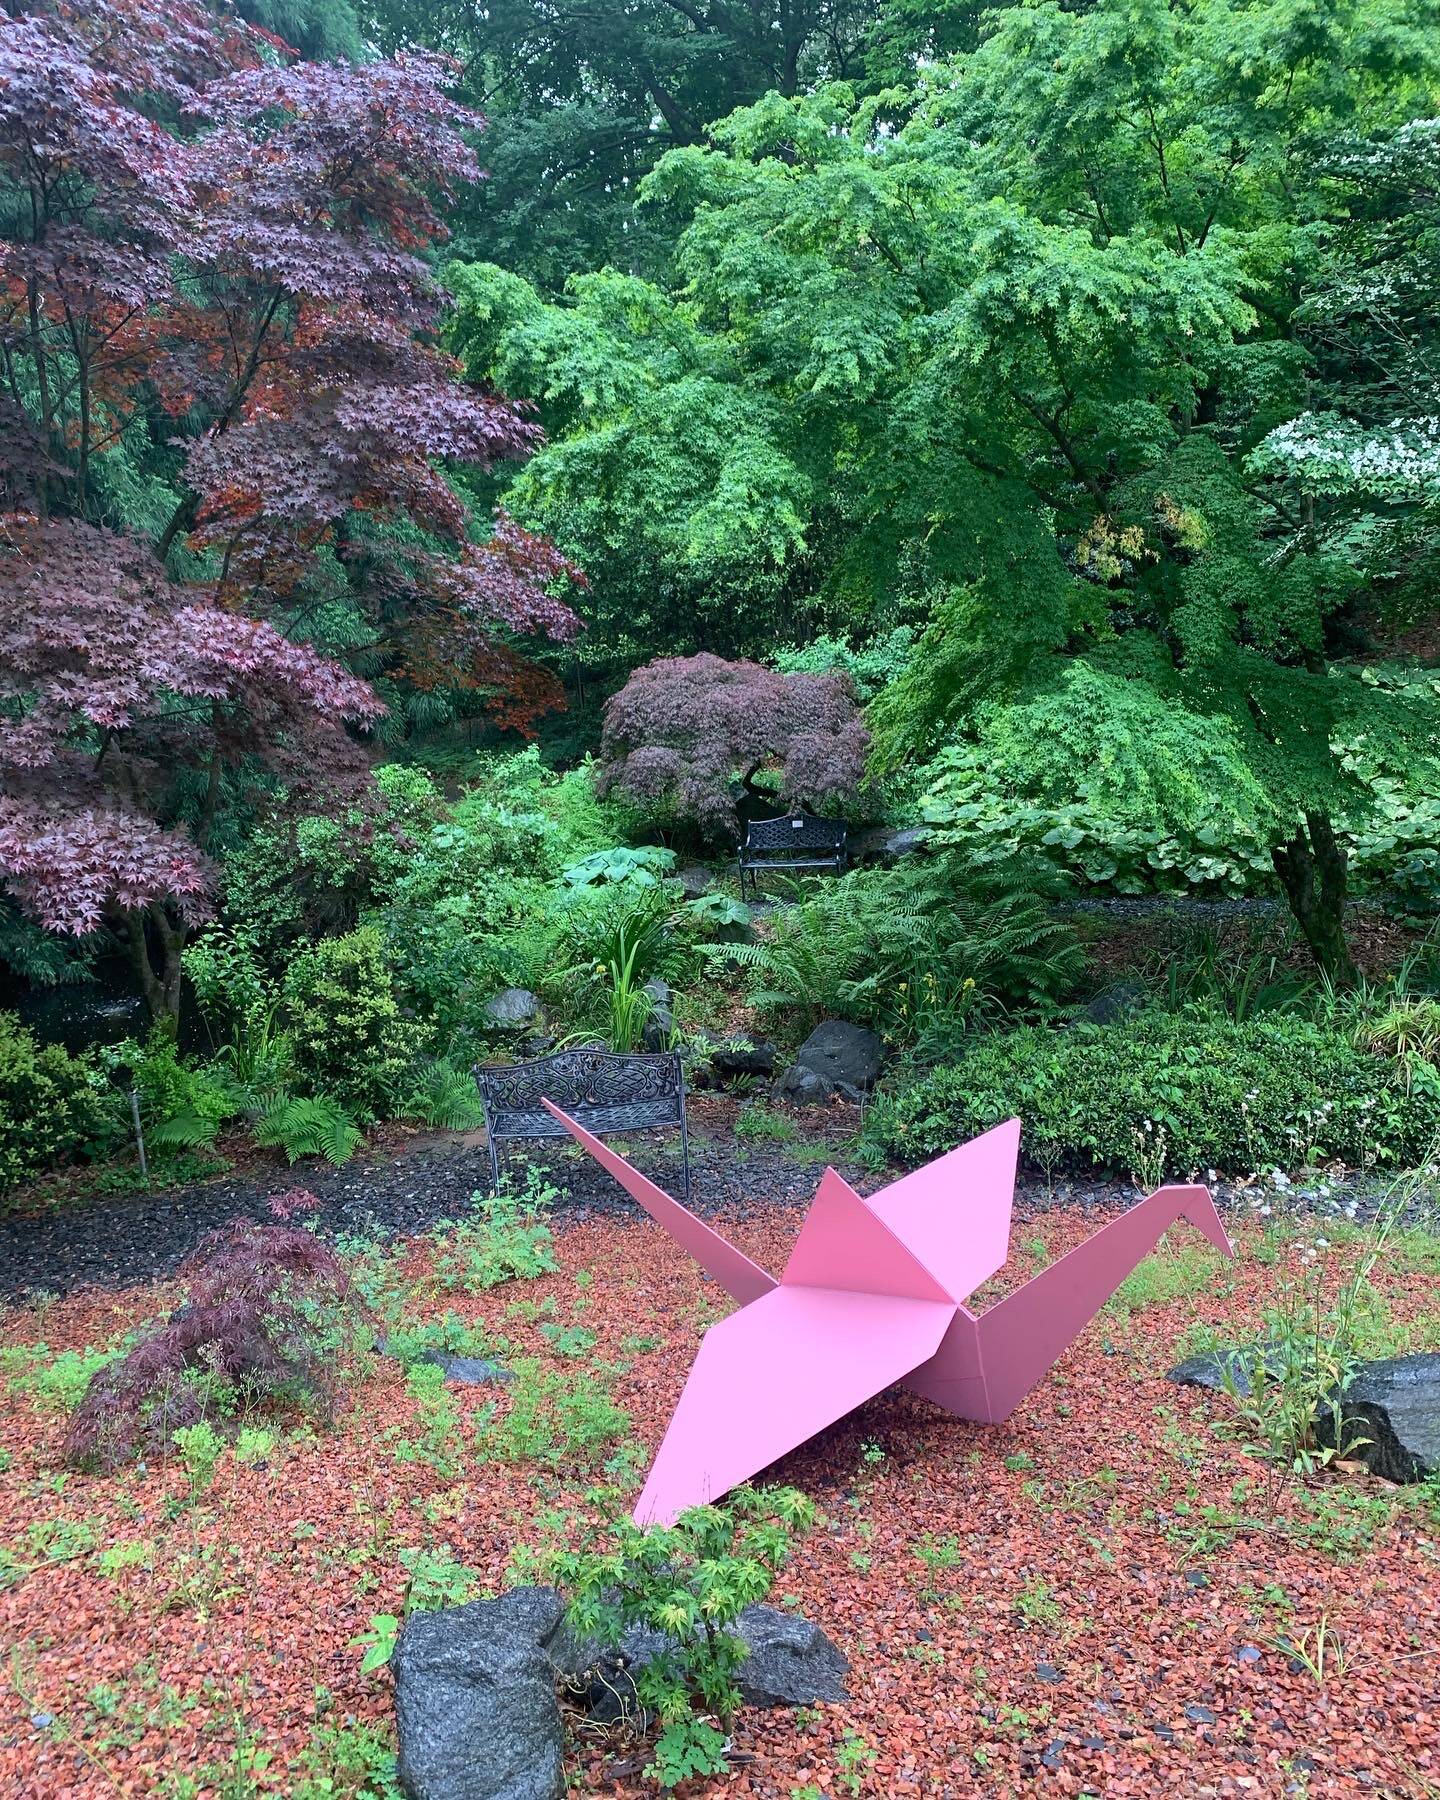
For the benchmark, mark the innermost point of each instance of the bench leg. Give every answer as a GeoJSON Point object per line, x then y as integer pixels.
{"type": "Point", "coordinates": [494, 1162]}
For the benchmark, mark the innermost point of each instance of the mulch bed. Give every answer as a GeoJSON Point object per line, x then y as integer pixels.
{"type": "Point", "coordinates": [1104, 1622]}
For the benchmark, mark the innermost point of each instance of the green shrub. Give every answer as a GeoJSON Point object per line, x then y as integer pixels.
{"type": "Point", "coordinates": [921, 953]}
{"type": "Point", "coordinates": [350, 1040]}
{"type": "Point", "coordinates": [182, 1106]}
{"type": "Point", "coordinates": [1171, 1093]}
{"type": "Point", "coordinates": [561, 1420]}
{"type": "Point", "coordinates": [51, 1104]}
{"type": "Point", "coordinates": [870, 666]}
{"type": "Point", "coordinates": [645, 866]}
{"type": "Point", "coordinates": [506, 1238]}
{"type": "Point", "coordinates": [689, 1581]}
{"type": "Point", "coordinates": [308, 1126]}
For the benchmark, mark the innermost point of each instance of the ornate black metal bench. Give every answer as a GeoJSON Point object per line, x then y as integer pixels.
{"type": "Point", "coordinates": [607, 1094]}
{"type": "Point", "coordinates": [801, 841]}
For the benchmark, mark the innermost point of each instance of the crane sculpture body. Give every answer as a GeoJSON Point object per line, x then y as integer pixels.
{"type": "Point", "coordinates": [873, 1294]}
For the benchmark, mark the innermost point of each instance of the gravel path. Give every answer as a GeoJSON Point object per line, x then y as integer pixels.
{"type": "Point", "coordinates": [119, 1242]}
{"type": "Point", "coordinates": [116, 1242]}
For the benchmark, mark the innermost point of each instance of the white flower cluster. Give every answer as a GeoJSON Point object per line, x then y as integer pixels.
{"type": "Point", "coordinates": [1327, 454]}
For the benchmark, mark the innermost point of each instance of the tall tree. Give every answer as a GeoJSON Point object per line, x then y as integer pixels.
{"type": "Point", "coordinates": [218, 328]}
{"type": "Point", "coordinates": [1012, 339]}
{"type": "Point", "coordinates": [584, 98]}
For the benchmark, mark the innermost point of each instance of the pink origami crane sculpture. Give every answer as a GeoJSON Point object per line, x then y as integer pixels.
{"type": "Point", "coordinates": [874, 1294]}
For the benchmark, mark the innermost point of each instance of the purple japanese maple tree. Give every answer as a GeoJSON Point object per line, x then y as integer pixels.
{"type": "Point", "coordinates": [221, 252]}
{"type": "Point", "coordinates": [681, 727]}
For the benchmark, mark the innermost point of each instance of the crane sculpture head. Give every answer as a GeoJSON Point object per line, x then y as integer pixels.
{"type": "Point", "coordinates": [874, 1293]}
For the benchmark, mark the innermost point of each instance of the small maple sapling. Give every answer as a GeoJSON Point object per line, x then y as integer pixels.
{"type": "Point", "coordinates": [682, 726]}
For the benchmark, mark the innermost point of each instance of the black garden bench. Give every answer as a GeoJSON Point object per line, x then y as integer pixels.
{"type": "Point", "coordinates": [607, 1094]}
{"type": "Point", "coordinates": [800, 841]}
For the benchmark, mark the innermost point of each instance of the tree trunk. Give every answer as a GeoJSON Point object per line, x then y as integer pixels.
{"type": "Point", "coordinates": [1313, 870]}
{"type": "Point", "coordinates": [155, 956]}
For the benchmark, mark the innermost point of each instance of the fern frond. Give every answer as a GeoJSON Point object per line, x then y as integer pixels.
{"type": "Point", "coordinates": [184, 1131]}
{"type": "Point", "coordinates": [308, 1127]}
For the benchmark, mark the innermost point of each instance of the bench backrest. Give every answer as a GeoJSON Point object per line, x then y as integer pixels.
{"type": "Point", "coordinates": [601, 1091]}
{"type": "Point", "coordinates": [801, 832]}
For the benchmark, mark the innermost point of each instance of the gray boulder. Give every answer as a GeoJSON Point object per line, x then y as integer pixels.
{"type": "Point", "coordinates": [512, 1009]}
{"type": "Point", "coordinates": [1395, 1404]}
{"type": "Point", "coordinates": [601, 1677]}
{"type": "Point", "coordinates": [730, 1060]}
{"type": "Point", "coordinates": [660, 1025]}
{"type": "Point", "coordinates": [695, 880]}
{"type": "Point", "coordinates": [1117, 1001]}
{"type": "Point", "coordinates": [474, 1371]}
{"type": "Point", "coordinates": [1210, 1369]}
{"type": "Point", "coordinates": [837, 1058]}
{"type": "Point", "coordinates": [475, 1701]}
{"type": "Point", "coordinates": [885, 844]}
{"type": "Point", "coordinates": [790, 1663]}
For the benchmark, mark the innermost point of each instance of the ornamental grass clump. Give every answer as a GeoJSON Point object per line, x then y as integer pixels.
{"type": "Point", "coordinates": [268, 1319]}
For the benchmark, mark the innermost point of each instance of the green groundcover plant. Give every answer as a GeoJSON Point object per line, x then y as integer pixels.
{"type": "Point", "coordinates": [1173, 1092]}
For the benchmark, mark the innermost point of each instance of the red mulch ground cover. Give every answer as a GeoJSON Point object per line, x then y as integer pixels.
{"type": "Point", "coordinates": [1092, 1614]}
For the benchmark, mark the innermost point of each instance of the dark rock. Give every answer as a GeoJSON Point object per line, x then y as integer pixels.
{"type": "Point", "coordinates": [791, 1661]}
{"type": "Point", "coordinates": [886, 844]}
{"type": "Point", "coordinates": [1248, 1653]}
{"type": "Point", "coordinates": [512, 1009]}
{"type": "Point", "coordinates": [473, 1370]}
{"type": "Point", "coordinates": [1116, 1002]}
{"type": "Point", "coordinates": [730, 1060]}
{"type": "Point", "coordinates": [475, 1701]}
{"type": "Point", "coordinates": [660, 1024]}
{"type": "Point", "coordinates": [1196, 1578]}
{"type": "Point", "coordinates": [1200, 1715]}
{"type": "Point", "coordinates": [695, 881]}
{"type": "Point", "coordinates": [836, 1058]}
{"type": "Point", "coordinates": [601, 1678]}
{"type": "Point", "coordinates": [807, 1087]}
{"type": "Point", "coordinates": [1389, 1415]}
{"type": "Point", "coordinates": [1052, 1754]}
{"type": "Point", "coordinates": [1395, 1404]}
{"type": "Point", "coordinates": [1048, 1672]}
{"type": "Point", "coordinates": [1210, 1369]}
{"type": "Point", "coordinates": [535, 1043]}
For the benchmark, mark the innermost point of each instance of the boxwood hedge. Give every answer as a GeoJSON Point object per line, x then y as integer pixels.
{"type": "Point", "coordinates": [1197, 1090]}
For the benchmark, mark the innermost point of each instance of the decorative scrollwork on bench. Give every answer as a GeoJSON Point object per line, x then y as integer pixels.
{"type": "Point", "coordinates": [606, 1093]}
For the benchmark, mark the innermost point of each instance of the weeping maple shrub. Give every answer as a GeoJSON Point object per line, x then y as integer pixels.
{"type": "Point", "coordinates": [682, 726]}
{"type": "Point", "coordinates": [268, 1312]}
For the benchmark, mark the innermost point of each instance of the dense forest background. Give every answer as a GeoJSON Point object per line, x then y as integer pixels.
{"type": "Point", "coordinates": [382, 382]}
